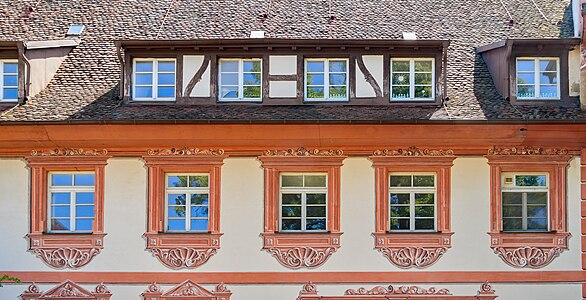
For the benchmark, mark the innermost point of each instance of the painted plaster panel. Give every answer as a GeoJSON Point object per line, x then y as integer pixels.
{"type": "Point", "coordinates": [282, 89]}
{"type": "Point", "coordinates": [574, 72]}
{"type": "Point", "coordinates": [374, 64]}
{"type": "Point", "coordinates": [282, 64]}
{"type": "Point", "coordinates": [192, 63]}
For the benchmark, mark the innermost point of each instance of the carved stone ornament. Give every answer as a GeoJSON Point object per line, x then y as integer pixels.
{"type": "Point", "coordinates": [67, 290]}
{"type": "Point", "coordinates": [300, 152]}
{"type": "Point", "coordinates": [61, 258]}
{"type": "Point", "coordinates": [486, 289]}
{"type": "Point", "coordinates": [413, 151]}
{"type": "Point", "coordinates": [188, 290]}
{"type": "Point", "coordinates": [221, 288]}
{"type": "Point", "coordinates": [183, 257]}
{"type": "Point", "coordinates": [402, 290]}
{"type": "Point", "coordinates": [407, 257]}
{"type": "Point", "coordinates": [528, 257]}
{"type": "Point", "coordinates": [184, 152]}
{"type": "Point", "coordinates": [32, 289]}
{"type": "Point", "coordinates": [308, 289]}
{"type": "Point", "coordinates": [527, 150]}
{"type": "Point", "coordinates": [298, 257]}
{"type": "Point", "coordinates": [69, 152]}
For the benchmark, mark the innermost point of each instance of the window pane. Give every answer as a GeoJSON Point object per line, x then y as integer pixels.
{"type": "Point", "coordinates": [199, 211]}
{"type": "Point", "coordinates": [548, 91]}
{"type": "Point", "coordinates": [251, 91]}
{"type": "Point", "coordinates": [337, 66]}
{"type": "Point", "coordinates": [166, 79]}
{"type": "Point", "coordinates": [315, 181]}
{"type": "Point", "coordinates": [177, 181]}
{"type": "Point", "coordinates": [513, 211]}
{"type": "Point", "coordinates": [526, 91]}
{"type": "Point", "coordinates": [61, 180]}
{"type": "Point", "coordinates": [166, 91]}
{"type": "Point", "coordinates": [84, 179]}
{"type": "Point", "coordinates": [144, 79]}
{"type": "Point", "coordinates": [10, 80]}
{"type": "Point", "coordinates": [512, 198]}
{"type": "Point", "coordinates": [229, 65]}
{"type": "Point", "coordinates": [423, 66]}
{"type": "Point", "coordinates": [315, 224]}
{"type": "Point", "coordinates": [423, 181]}
{"type": "Point", "coordinates": [537, 224]}
{"type": "Point", "coordinates": [84, 198]}
{"type": "Point", "coordinates": [316, 211]}
{"type": "Point", "coordinates": [424, 224]}
{"type": "Point", "coordinates": [144, 66]}
{"type": "Point", "coordinates": [229, 79]}
{"type": "Point", "coordinates": [525, 65]}
{"type": "Point", "coordinates": [316, 198]}
{"type": "Point", "coordinates": [166, 66]}
{"type": "Point", "coordinates": [337, 79]}
{"type": "Point", "coordinates": [176, 225]}
{"type": "Point", "coordinates": [400, 181]}
{"type": "Point", "coordinates": [291, 199]}
{"type": "Point", "coordinates": [251, 79]}
{"type": "Point", "coordinates": [60, 211]}
{"type": "Point", "coordinates": [423, 92]}
{"type": "Point", "coordinates": [526, 78]}
{"type": "Point", "coordinates": [10, 93]}
{"type": "Point", "coordinates": [199, 225]}
{"type": "Point", "coordinates": [251, 66]}
{"type": "Point", "coordinates": [315, 79]}
{"type": "Point", "coordinates": [84, 211]}
{"type": "Point", "coordinates": [424, 198]}
{"type": "Point", "coordinates": [400, 224]}
{"type": "Point", "coordinates": [177, 199]}
{"type": "Point", "coordinates": [537, 198]}
{"type": "Point", "coordinates": [401, 92]}
{"type": "Point", "coordinates": [288, 224]}
{"type": "Point", "coordinates": [198, 181]}
{"type": "Point", "coordinates": [176, 211]}
{"type": "Point", "coordinates": [424, 211]}
{"type": "Point", "coordinates": [400, 211]}
{"type": "Point", "coordinates": [511, 224]}
{"type": "Point", "coordinates": [60, 198]}
{"type": "Point", "coordinates": [548, 78]}
{"type": "Point", "coordinates": [530, 180]}
{"type": "Point", "coordinates": [536, 211]}
{"type": "Point", "coordinates": [315, 66]}
{"type": "Point", "coordinates": [10, 67]}
{"type": "Point", "coordinates": [315, 92]}
{"type": "Point", "coordinates": [291, 211]}
{"type": "Point", "coordinates": [144, 92]}
{"type": "Point", "coordinates": [547, 65]}
{"type": "Point", "coordinates": [401, 78]}
{"type": "Point", "coordinates": [338, 92]}
{"type": "Point", "coordinates": [400, 199]}
{"type": "Point", "coordinates": [229, 92]}
{"type": "Point", "coordinates": [292, 181]}
{"type": "Point", "coordinates": [423, 78]}
{"type": "Point", "coordinates": [83, 224]}
{"type": "Point", "coordinates": [400, 66]}
{"type": "Point", "coordinates": [199, 199]}
{"type": "Point", "coordinates": [60, 224]}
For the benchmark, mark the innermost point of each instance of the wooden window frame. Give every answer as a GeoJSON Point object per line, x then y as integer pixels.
{"type": "Point", "coordinates": [189, 191]}
{"type": "Point", "coordinates": [303, 191]}
{"type": "Point", "coordinates": [537, 72]}
{"type": "Point", "coordinates": [240, 72]}
{"type": "Point", "coordinates": [179, 250]}
{"type": "Point", "coordinates": [2, 62]}
{"type": "Point", "coordinates": [412, 61]}
{"type": "Point", "coordinates": [155, 83]}
{"type": "Point", "coordinates": [411, 191]}
{"type": "Point", "coordinates": [413, 248]}
{"type": "Point", "coordinates": [301, 249]}
{"type": "Point", "coordinates": [73, 201]}
{"type": "Point", "coordinates": [532, 249]}
{"type": "Point", "coordinates": [188, 290]}
{"type": "Point", "coordinates": [67, 290]}
{"type": "Point", "coordinates": [65, 249]}
{"type": "Point", "coordinates": [326, 73]}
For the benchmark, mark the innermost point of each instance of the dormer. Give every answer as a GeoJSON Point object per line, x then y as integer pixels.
{"type": "Point", "coordinates": [532, 71]}
{"type": "Point", "coordinates": [11, 73]}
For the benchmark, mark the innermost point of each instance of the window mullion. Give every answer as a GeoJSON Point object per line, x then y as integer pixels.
{"type": "Point", "coordinates": [188, 211]}
{"type": "Point", "coordinates": [155, 79]}
{"type": "Point", "coordinates": [303, 208]}
{"type": "Point", "coordinates": [524, 210]}
{"type": "Point", "coordinates": [2, 80]}
{"type": "Point", "coordinates": [412, 211]}
{"type": "Point", "coordinates": [327, 79]}
{"type": "Point", "coordinates": [240, 79]}
{"type": "Point", "coordinates": [412, 78]}
{"type": "Point", "coordinates": [72, 202]}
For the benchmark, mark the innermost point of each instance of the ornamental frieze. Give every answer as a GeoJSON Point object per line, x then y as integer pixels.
{"type": "Point", "coordinates": [413, 151]}
{"type": "Point", "coordinates": [183, 257]}
{"type": "Point", "coordinates": [66, 257]}
{"type": "Point", "coordinates": [184, 152]}
{"type": "Point", "coordinates": [407, 257]}
{"type": "Point", "coordinates": [528, 257]}
{"type": "Point", "coordinates": [69, 152]}
{"type": "Point", "coordinates": [300, 152]}
{"type": "Point", "coordinates": [299, 257]}
{"type": "Point", "coordinates": [526, 150]}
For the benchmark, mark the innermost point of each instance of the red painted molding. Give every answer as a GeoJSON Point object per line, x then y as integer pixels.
{"type": "Point", "coordinates": [187, 290]}
{"type": "Point", "coordinates": [65, 250]}
{"type": "Point", "coordinates": [563, 276]}
{"type": "Point", "coordinates": [67, 290]}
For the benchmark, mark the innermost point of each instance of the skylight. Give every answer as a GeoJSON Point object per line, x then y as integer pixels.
{"type": "Point", "coordinates": [75, 30]}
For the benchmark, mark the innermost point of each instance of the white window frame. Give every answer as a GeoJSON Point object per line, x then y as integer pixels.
{"type": "Point", "coordinates": [412, 79]}
{"type": "Point", "coordinates": [303, 191]}
{"type": "Point", "coordinates": [412, 191]}
{"type": "Point", "coordinates": [537, 78]}
{"type": "Point", "coordinates": [155, 78]}
{"type": "Point", "coordinates": [326, 79]}
{"type": "Point", "coordinates": [72, 190]}
{"type": "Point", "coordinates": [524, 190]}
{"type": "Point", "coordinates": [188, 191]}
{"type": "Point", "coordinates": [2, 62]}
{"type": "Point", "coordinates": [240, 80]}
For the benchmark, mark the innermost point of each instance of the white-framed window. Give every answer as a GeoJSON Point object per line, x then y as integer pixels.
{"type": "Point", "coordinates": [525, 198]}
{"type": "Point", "coordinates": [303, 202]}
{"type": "Point", "coordinates": [240, 79]}
{"type": "Point", "coordinates": [538, 78]}
{"type": "Point", "coordinates": [153, 79]}
{"type": "Point", "coordinates": [187, 202]}
{"type": "Point", "coordinates": [412, 202]}
{"type": "Point", "coordinates": [9, 83]}
{"type": "Point", "coordinates": [326, 79]}
{"type": "Point", "coordinates": [71, 201]}
{"type": "Point", "coordinates": [412, 79]}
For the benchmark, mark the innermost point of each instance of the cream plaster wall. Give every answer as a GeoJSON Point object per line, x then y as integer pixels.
{"type": "Point", "coordinates": [192, 63]}
{"type": "Point", "coordinates": [574, 71]}
{"type": "Point", "coordinates": [283, 64]}
{"type": "Point", "coordinates": [282, 89]}
{"type": "Point", "coordinates": [374, 64]}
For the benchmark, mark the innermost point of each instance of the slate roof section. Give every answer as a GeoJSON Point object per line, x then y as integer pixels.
{"type": "Point", "coordinates": [86, 85]}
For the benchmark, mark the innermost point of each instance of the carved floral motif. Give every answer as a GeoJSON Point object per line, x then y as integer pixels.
{"type": "Point", "coordinates": [303, 152]}
{"type": "Point", "coordinates": [406, 257]}
{"type": "Point", "coordinates": [298, 257]}
{"type": "Point", "coordinates": [528, 257]}
{"type": "Point", "coordinates": [308, 289]}
{"type": "Point", "coordinates": [153, 288]}
{"type": "Point", "coordinates": [67, 290]}
{"type": "Point", "coordinates": [32, 289]}
{"type": "Point", "coordinates": [402, 290]}
{"type": "Point", "coordinates": [413, 151]}
{"type": "Point", "coordinates": [69, 152]}
{"type": "Point", "coordinates": [188, 290]}
{"type": "Point", "coordinates": [61, 258]}
{"type": "Point", "coordinates": [527, 150]}
{"type": "Point", "coordinates": [486, 289]}
{"type": "Point", "coordinates": [101, 289]}
{"type": "Point", "coordinates": [183, 257]}
{"type": "Point", "coordinates": [184, 151]}
{"type": "Point", "coordinates": [221, 288]}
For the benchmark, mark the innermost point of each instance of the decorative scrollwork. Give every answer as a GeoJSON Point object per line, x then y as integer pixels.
{"type": "Point", "coordinates": [183, 257]}
{"type": "Point", "coordinates": [153, 288]}
{"type": "Point", "coordinates": [32, 289]}
{"type": "Point", "coordinates": [221, 288]}
{"type": "Point", "coordinates": [407, 257]}
{"type": "Point", "coordinates": [69, 152]}
{"type": "Point", "coordinates": [527, 150]}
{"type": "Point", "coordinates": [67, 290]}
{"type": "Point", "coordinates": [303, 152]}
{"type": "Point", "coordinates": [61, 258]}
{"type": "Point", "coordinates": [184, 152]}
{"type": "Point", "coordinates": [189, 289]}
{"type": "Point", "coordinates": [402, 290]}
{"type": "Point", "coordinates": [101, 289]}
{"type": "Point", "coordinates": [298, 257]}
{"type": "Point", "coordinates": [308, 289]}
{"type": "Point", "coordinates": [486, 289]}
{"type": "Point", "coordinates": [413, 151]}
{"type": "Point", "coordinates": [528, 257]}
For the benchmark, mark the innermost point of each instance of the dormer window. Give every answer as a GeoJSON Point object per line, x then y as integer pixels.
{"type": "Point", "coordinates": [154, 79]}
{"type": "Point", "coordinates": [412, 79]}
{"type": "Point", "coordinates": [240, 79]}
{"type": "Point", "coordinates": [538, 78]}
{"type": "Point", "coordinates": [9, 83]}
{"type": "Point", "coordinates": [326, 79]}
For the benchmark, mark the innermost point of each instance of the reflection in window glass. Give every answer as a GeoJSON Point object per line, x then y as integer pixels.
{"type": "Point", "coordinates": [412, 202]}
{"type": "Point", "coordinates": [187, 202]}
{"type": "Point", "coordinates": [303, 202]}
{"type": "Point", "coordinates": [525, 204]}
{"type": "Point", "coordinates": [412, 79]}
{"type": "Point", "coordinates": [154, 79]}
{"type": "Point", "coordinates": [9, 81]}
{"type": "Point", "coordinates": [240, 79]}
{"type": "Point", "coordinates": [537, 78]}
{"type": "Point", "coordinates": [71, 202]}
{"type": "Point", "coordinates": [326, 79]}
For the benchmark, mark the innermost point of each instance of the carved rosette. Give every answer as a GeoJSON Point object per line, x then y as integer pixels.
{"type": "Point", "coordinates": [413, 151]}
{"type": "Point", "coordinates": [299, 257]}
{"type": "Point", "coordinates": [183, 257]}
{"type": "Point", "coordinates": [528, 257]}
{"type": "Point", "coordinates": [407, 257]}
{"type": "Point", "coordinates": [301, 152]}
{"type": "Point", "coordinates": [184, 152]}
{"type": "Point", "coordinates": [402, 290]}
{"type": "Point", "coordinates": [308, 289]}
{"type": "Point", "coordinates": [69, 152]}
{"type": "Point", "coordinates": [527, 150]}
{"type": "Point", "coordinates": [62, 258]}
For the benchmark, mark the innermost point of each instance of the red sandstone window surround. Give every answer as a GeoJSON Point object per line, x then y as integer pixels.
{"type": "Point", "coordinates": [527, 248]}
{"type": "Point", "coordinates": [303, 248]}
{"type": "Point", "coordinates": [408, 246]}
{"type": "Point", "coordinates": [65, 248]}
{"type": "Point", "coordinates": [193, 245]}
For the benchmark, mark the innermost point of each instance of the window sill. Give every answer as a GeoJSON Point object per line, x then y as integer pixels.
{"type": "Point", "coordinates": [528, 249]}
{"type": "Point", "coordinates": [413, 249]}
{"type": "Point", "coordinates": [296, 250]}
{"type": "Point", "coordinates": [183, 250]}
{"type": "Point", "coordinates": [66, 250]}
